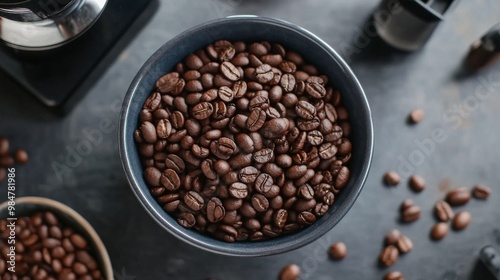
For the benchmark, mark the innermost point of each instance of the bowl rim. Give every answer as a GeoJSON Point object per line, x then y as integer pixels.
{"type": "Point", "coordinates": [229, 249]}
{"type": "Point", "coordinates": [79, 219]}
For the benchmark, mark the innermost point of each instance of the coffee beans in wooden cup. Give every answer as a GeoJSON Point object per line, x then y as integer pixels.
{"type": "Point", "coordinates": [45, 246]}
{"type": "Point", "coordinates": [244, 142]}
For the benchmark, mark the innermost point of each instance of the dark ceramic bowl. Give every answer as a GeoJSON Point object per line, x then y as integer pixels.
{"type": "Point", "coordinates": [250, 28]}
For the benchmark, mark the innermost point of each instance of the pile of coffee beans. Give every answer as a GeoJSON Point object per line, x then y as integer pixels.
{"type": "Point", "coordinates": [8, 160]}
{"type": "Point", "coordinates": [46, 249]}
{"type": "Point", "coordinates": [244, 141]}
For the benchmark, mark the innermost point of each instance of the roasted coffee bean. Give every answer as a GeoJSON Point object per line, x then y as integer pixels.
{"type": "Point", "coordinates": [194, 200]}
{"type": "Point", "coordinates": [230, 71]}
{"type": "Point", "coordinates": [238, 190]}
{"type": "Point", "coordinates": [392, 237]}
{"type": "Point", "coordinates": [215, 210]}
{"type": "Point", "coordinates": [21, 156]}
{"type": "Point", "coordinates": [170, 180]}
{"type": "Point", "coordinates": [170, 83]}
{"type": "Point", "coordinates": [284, 161]}
{"type": "Point", "coordinates": [302, 204]}
{"type": "Point", "coordinates": [305, 110]}
{"type": "Point", "coordinates": [443, 211]}
{"type": "Point", "coordinates": [248, 174]}
{"type": "Point", "coordinates": [256, 119]}
{"type": "Point", "coordinates": [417, 183]}
{"type": "Point", "coordinates": [306, 192]}
{"type": "Point", "coordinates": [439, 231]}
{"type": "Point", "coordinates": [389, 256]}
{"type": "Point", "coordinates": [263, 183]}
{"type": "Point", "coordinates": [315, 138]}
{"type": "Point", "coordinates": [481, 191]}
{"type": "Point", "coordinates": [410, 214]}
{"type": "Point", "coordinates": [296, 171]}
{"type": "Point", "coordinates": [163, 129]}
{"type": "Point", "coordinates": [4, 146]}
{"type": "Point", "coordinates": [148, 131]}
{"type": "Point", "coordinates": [290, 272]}
{"type": "Point", "coordinates": [338, 251]}
{"type": "Point", "coordinates": [263, 156]}
{"type": "Point", "coordinates": [394, 275]}
{"type": "Point", "coordinates": [186, 219]}
{"type": "Point", "coordinates": [202, 110]}
{"type": "Point", "coordinates": [327, 151]}
{"type": "Point", "coordinates": [208, 169]}
{"type": "Point", "coordinates": [458, 196]}
{"type": "Point", "coordinates": [260, 203]}
{"type": "Point", "coordinates": [416, 116]}
{"type": "Point", "coordinates": [223, 148]}
{"type": "Point", "coordinates": [152, 176]}
{"type": "Point", "coordinates": [404, 244]}
{"type": "Point", "coordinates": [175, 163]}
{"type": "Point", "coordinates": [306, 218]}
{"type": "Point", "coordinates": [272, 169]}
{"type": "Point", "coordinates": [264, 73]}
{"type": "Point", "coordinates": [392, 178]}
{"type": "Point", "coordinates": [275, 128]}
{"type": "Point", "coordinates": [461, 220]}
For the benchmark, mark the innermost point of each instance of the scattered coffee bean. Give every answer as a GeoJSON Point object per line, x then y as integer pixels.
{"type": "Point", "coordinates": [392, 178]}
{"type": "Point", "coordinates": [410, 214]}
{"type": "Point", "coordinates": [443, 211]}
{"type": "Point", "coordinates": [458, 196]}
{"type": "Point", "coordinates": [46, 248]}
{"type": "Point", "coordinates": [394, 275]}
{"type": "Point", "coordinates": [481, 191]}
{"type": "Point", "coordinates": [290, 272]}
{"type": "Point", "coordinates": [417, 183]}
{"type": "Point", "coordinates": [244, 142]}
{"type": "Point", "coordinates": [404, 244]}
{"type": "Point", "coordinates": [439, 231]}
{"type": "Point", "coordinates": [389, 256]}
{"type": "Point", "coordinates": [338, 251]}
{"type": "Point", "coordinates": [392, 237]}
{"type": "Point", "coordinates": [461, 220]}
{"type": "Point", "coordinates": [416, 116]}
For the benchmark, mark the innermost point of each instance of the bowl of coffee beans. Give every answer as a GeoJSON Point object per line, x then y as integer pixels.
{"type": "Point", "coordinates": [246, 136]}
{"type": "Point", "coordinates": [44, 239]}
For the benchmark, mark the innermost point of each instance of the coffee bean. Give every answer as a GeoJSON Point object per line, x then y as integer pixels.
{"type": "Point", "coordinates": [394, 275]}
{"type": "Point", "coordinates": [443, 211]}
{"type": "Point", "coordinates": [481, 191]}
{"type": "Point", "coordinates": [256, 119]}
{"type": "Point", "coordinates": [202, 110]}
{"type": "Point", "coordinates": [215, 210]}
{"type": "Point", "coordinates": [306, 192]}
{"type": "Point", "coordinates": [152, 176]}
{"type": "Point", "coordinates": [439, 231]}
{"type": "Point", "coordinates": [170, 180]}
{"type": "Point", "coordinates": [264, 73]}
{"type": "Point", "coordinates": [306, 218]}
{"type": "Point", "coordinates": [315, 138]}
{"type": "Point", "coordinates": [175, 163]}
{"type": "Point", "coordinates": [417, 183]}
{"type": "Point", "coordinates": [280, 218]}
{"type": "Point", "coordinates": [21, 156]}
{"type": "Point", "coordinates": [327, 151]}
{"type": "Point", "coordinates": [392, 237]}
{"type": "Point", "coordinates": [389, 256]}
{"type": "Point", "coordinates": [461, 220]}
{"type": "Point", "coordinates": [4, 146]}
{"type": "Point", "coordinates": [410, 214]}
{"type": "Point", "coordinates": [208, 169]}
{"type": "Point", "coordinates": [194, 200]}
{"type": "Point", "coordinates": [238, 190]}
{"type": "Point", "coordinates": [338, 251]}
{"type": "Point", "coordinates": [263, 156]}
{"type": "Point", "coordinates": [260, 203]}
{"type": "Point", "coordinates": [290, 272]}
{"type": "Point", "coordinates": [148, 131]}
{"type": "Point", "coordinates": [170, 83]}
{"type": "Point", "coordinates": [404, 244]}
{"type": "Point", "coordinates": [296, 171]}
{"type": "Point", "coordinates": [186, 219]}
{"type": "Point", "coordinates": [392, 178]}
{"type": "Point", "coordinates": [416, 115]}
{"type": "Point", "coordinates": [275, 128]}
{"type": "Point", "coordinates": [458, 196]}
{"type": "Point", "coordinates": [263, 183]}
{"type": "Point", "coordinates": [229, 71]}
